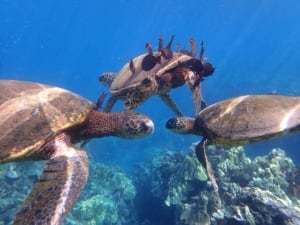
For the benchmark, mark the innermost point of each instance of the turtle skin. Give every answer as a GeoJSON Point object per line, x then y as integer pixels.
{"type": "Point", "coordinates": [41, 122]}
{"type": "Point", "coordinates": [240, 121]}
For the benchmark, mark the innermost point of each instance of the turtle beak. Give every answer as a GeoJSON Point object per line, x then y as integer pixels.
{"type": "Point", "coordinates": [149, 127]}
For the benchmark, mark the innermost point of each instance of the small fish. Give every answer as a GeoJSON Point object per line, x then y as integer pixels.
{"type": "Point", "coordinates": [149, 49]}
{"type": "Point", "coordinates": [202, 52]}
{"type": "Point", "coordinates": [273, 92]}
{"type": "Point", "coordinates": [160, 43]}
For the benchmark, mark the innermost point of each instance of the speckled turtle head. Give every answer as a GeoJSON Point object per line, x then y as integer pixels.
{"type": "Point", "coordinates": [157, 72]}
{"type": "Point", "coordinates": [41, 122]}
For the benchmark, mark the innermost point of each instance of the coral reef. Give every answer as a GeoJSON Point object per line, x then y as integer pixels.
{"type": "Point", "coordinates": [14, 188]}
{"type": "Point", "coordinates": [172, 184]}
{"type": "Point", "coordinates": [173, 189]}
{"type": "Point", "coordinates": [107, 198]}
{"type": "Point", "coordinates": [251, 192]}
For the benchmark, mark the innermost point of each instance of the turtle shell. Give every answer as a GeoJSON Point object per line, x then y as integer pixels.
{"type": "Point", "coordinates": [251, 118]}
{"type": "Point", "coordinates": [145, 66]}
{"type": "Point", "coordinates": [31, 113]}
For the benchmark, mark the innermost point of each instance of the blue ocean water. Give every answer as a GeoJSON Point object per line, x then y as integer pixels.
{"type": "Point", "coordinates": [254, 46]}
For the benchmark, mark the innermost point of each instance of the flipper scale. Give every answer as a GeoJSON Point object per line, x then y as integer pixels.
{"type": "Point", "coordinates": [57, 190]}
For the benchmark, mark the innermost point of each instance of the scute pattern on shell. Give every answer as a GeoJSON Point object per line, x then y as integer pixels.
{"type": "Point", "coordinates": [41, 112]}
{"type": "Point", "coordinates": [251, 118]}
{"type": "Point", "coordinates": [126, 79]}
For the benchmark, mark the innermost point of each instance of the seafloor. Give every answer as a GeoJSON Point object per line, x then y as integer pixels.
{"type": "Point", "coordinates": [172, 189]}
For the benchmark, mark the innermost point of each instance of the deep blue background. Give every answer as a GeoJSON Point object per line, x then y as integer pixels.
{"type": "Point", "coordinates": [254, 45]}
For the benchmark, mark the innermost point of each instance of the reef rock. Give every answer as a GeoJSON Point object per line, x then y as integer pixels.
{"type": "Point", "coordinates": [256, 206]}
{"type": "Point", "coordinates": [107, 198]}
{"type": "Point", "coordinates": [251, 192]}
{"type": "Point", "coordinates": [16, 181]}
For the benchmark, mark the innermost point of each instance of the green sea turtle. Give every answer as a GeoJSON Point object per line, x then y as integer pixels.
{"type": "Point", "coordinates": [41, 122]}
{"type": "Point", "coordinates": [157, 73]}
{"type": "Point", "coordinates": [240, 121]}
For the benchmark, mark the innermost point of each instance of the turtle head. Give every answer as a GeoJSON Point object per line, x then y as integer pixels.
{"type": "Point", "coordinates": [120, 124]}
{"type": "Point", "coordinates": [186, 125]}
{"type": "Point", "coordinates": [107, 78]}
{"type": "Point", "coordinates": [181, 125]}
{"type": "Point", "coordinates": [134, 125]}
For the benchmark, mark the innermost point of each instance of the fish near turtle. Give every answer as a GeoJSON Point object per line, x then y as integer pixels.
{"type": "Point", "coordinates": [158, 72]}
{"type": "Point", "coordinates": [41, 122]}
{"type": "Point", "coordinates": [240, 121]}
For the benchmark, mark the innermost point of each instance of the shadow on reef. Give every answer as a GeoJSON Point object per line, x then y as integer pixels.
{"type": "Point", "coordinates": [263, 191]}
{"type": "Point", "coordinates": [151, 181]}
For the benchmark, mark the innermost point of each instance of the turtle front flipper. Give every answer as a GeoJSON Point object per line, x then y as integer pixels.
{"type": "Point", "coordinates": [199, 103]}
{"type": "Point", "coordinates": [195, 85]}
{"type": "Point", "coordinates": [106, 79]}
{"type": "Point", "coordinates": [100, 100]}
{"type": "Point", "coordinates": [58, 187]}
{"type": "Point", "coordinates": [110, 103]}
{"type": "Point", "coordinates": [165, 97]}
{"type": "Point", "coordinates": [202, 157]}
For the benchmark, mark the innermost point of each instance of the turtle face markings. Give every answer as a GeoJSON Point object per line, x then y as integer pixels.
{"type": "Point", "coordinates": [181, 125]}
{"type": "Point", "coordinates": [135, 125]}
{"type": "Point", "coordinates": [107, 78]}
{"type": "Point", "coordinates": [40, 122]}
{"type": "Point", "coordinates": [239, 121]}
{"type": "Point", "coordinates": [166, 70]}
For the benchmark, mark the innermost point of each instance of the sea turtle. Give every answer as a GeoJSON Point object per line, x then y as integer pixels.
{"type": "Point", "coordinates": [41, 122]}
{"type": "Point", "coordinates": [157, 73]}
{"type": "Point", "coordinates": [239, 121]}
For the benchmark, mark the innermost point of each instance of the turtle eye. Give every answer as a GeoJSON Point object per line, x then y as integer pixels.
{"type": "Point", "coordinates": [148, 62]}
{"type": "Point", "coordinates": [173, 124]}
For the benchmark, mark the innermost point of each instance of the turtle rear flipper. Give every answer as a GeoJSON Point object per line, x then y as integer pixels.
{"type": "Point", "coordinates": [58, 187]}
{"type": "Point", "coordinates": [202, 157]}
